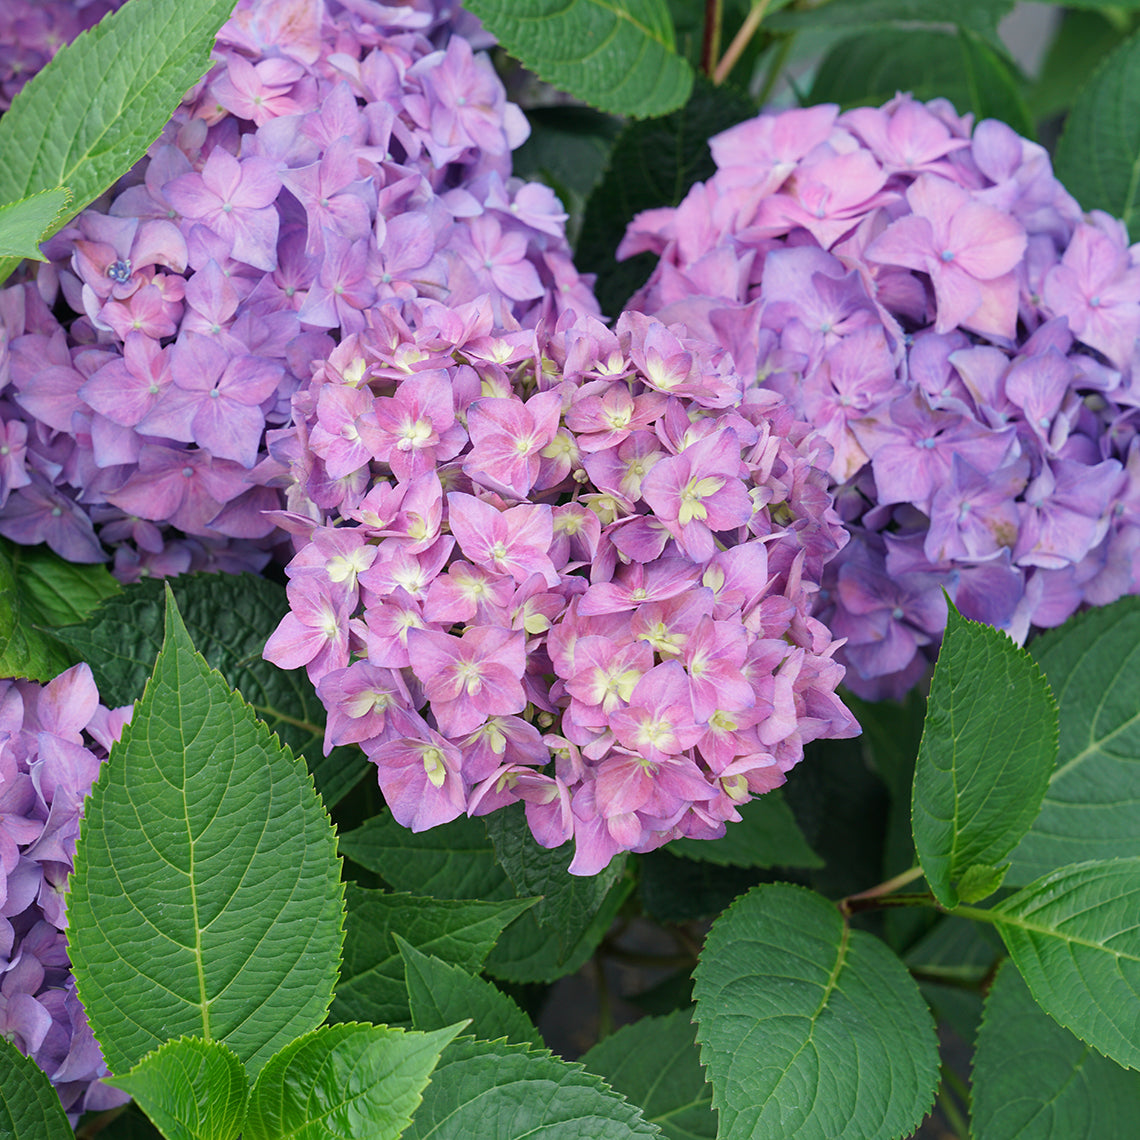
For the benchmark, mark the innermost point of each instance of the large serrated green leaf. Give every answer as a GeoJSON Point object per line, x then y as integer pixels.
{"type": "Point", "coordinates": [452, 861]}
{"type": "Point", "coordinates": [191, 1089]}
{"type": "Point", "coordinates": [495, 1091]}
{"type": "Point", "coordinates": [988, 746]}
{"type": "Point", "coordinates": [655, 1063]}
{"type": "Point", "coordinates": [440, 994]}
{"type": "Point", "coordinates": [809, 1029]}
{"type": "Point", "coordinates": [1075, 936]}
{"type": "Point", "coordinates": [766, 836]}
{"type": "Point", "coordinates": [870, 68]}
{"type": "Point", "coordinates": [372, 985]}
{"type": "Point", "coordinates": [206, 899]}
{"type": "Point", "coordinates": [344, 1082]}
{"type": "Point", "coordinates": [1092, 806]}
{"type": "Point", "coordinates": [29, 1106]}
{"type": "Point", "coordinates": [1098, 155]}
{"type": "Point", "coordinates": [90, 114]}
{"type": "Point", "coordinates": [1033, 1080]}
{"type": "Point", "coordinates": [616, 55]}
{"type": "Point", "coordinates": [24, 224]}
{"type": "Point", "coordinates": [230, 617]}
{"type": "Point", "coordinates": [651, 164]}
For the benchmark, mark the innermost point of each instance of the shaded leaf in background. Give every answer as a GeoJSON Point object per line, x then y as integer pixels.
{"type": "Point", "coordinates": [616, 55]}
{"type": "Point", "coordinates": [39, 591]}
{"type": "Point", "coordinates": [372, 985]}
{"type": "Point", "coordinates": [869, 69]}
{"type": "Point", "coordinates": [496, 1091]}
{"type": "Point", "coordinates": [766, 836]}
{"type": "Point", "coordinates": [453, 861]}
{"type": "Point", "coordinates": [29, 1105]}
{"type": "Point", "coordinates": [568, 149]}
{"type": "Point", "coordinates": [651, 164]}
{"type": "Point", "coordinates": [673, 889]}
{"type": "Point", "coordinates": [1082, 41]}
{"type": "Point", "coordinates": [1075, 936]}
{"type": "Point", "coordinates": [1092, 806]}
{"type": "Point", "coordinates": [140, 61]}
{"type": "Point", "coordinates": [203, 848]}
{"type": "Point", "coordinates": [981, 16]}
{"type": "Point", "coordinates": [23, 224]}
{"type": "Point", "coordinates": [808, 1028]}
{"type": "Point", "coordinates": [950, 962]}
{"type": "Point", "coordinates": [191, 1089]}
{"type": "Point", "coordinates": [441, 994]}
{"type": "Point", "coordinates": [1033, 1080]}
{"type": "Point", "coordinates": [344, 1081]}
{"type": "Point", "coordinates": [1098, 154]}
{"type": "Point", "coordinates": [230, 617]}
{"type": "Point", "coordinates": [571, 907]}
{"type": "Point", "coordinates": [988, 746]}
{"type": "Point", "coordinates": [655, 1064]}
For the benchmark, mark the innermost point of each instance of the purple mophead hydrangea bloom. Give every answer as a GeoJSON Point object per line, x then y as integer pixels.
{"type": "Point", "coordinates": [926, 294]}
{"type": "Point", "coordinates": [573, 567]}
{"type": "Point", "coordinates": [338, 157]}
{"type": "Point", "coordinates": [53, 738]}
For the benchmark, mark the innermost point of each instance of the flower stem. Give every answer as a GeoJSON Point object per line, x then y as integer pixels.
{"type": "Point", "coordinates": [710, 43]}
{"type": "Point", "coordinates": [739, 42]}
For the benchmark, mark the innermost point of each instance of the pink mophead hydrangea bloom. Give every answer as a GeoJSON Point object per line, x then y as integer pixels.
{"type": "Point", "coordinates": [926, 294]}
{"type": "Point", "coordinates": [573, 567]}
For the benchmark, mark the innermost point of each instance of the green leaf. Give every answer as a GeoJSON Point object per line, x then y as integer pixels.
{"type": "Point", "coordinates": [808, 1028]}
{"type": "Point", "coordinates": [1092, 806]}
{"type": "Point", "coordinates": [372, 985]}
{"type": "Point", "coordinates": [452, 861]}
{"type": "Point", "coordinates": [440, 994]}
{"type": "Point", "coordinates": [676, 890]}
{"type": "Point", "coordinates": [566, 917]}
{"type": "Point", "coordinates": [230, 617]}
{"type": "Point", "coordinates": [651, 164]}
{"type": "Point", "coordinates": [869, 69]}
{"type": "Point", "coordinates": [90, 114]}
{"type": "Point", "coordinates": [1098, 155]}
{"type": "Point", "coordinates": [530, 951]}
{"type": "Point", "coordinates": [616, 55]}
{"type": "Point", "coordinates": [1080, 44]}
{"type": "Point", "coordinates": [655, 1064]}
{"type": "Point", "coordinates": [981, 16]}
{"type": "Point", "coordinates": [39, 591]}
{"type": "Point", "coordinates": [1033, 1080]}
{"type": "Point", "coordinates": [24, 224]}
{"type": "Point", "coordinates": [191, 1089]}
{"type": "Point", "coordinates": [29, 1105]}
{"type": "Point", "coordinates": [206, 899]}
{"type": "Point", "coordinates": [987, 750]}
{"type": "Point", "coordinates": [342, 1082]}
{"type": "Point", "coordinates": [766, 836]}
{"type": "Point", "coordinates": [495, 1091]}
{"type": "Point", "coordinates": [1075, 936]}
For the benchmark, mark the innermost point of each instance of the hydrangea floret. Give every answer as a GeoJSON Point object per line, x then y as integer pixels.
{"type": "Point", "coordinates": [572, 567]}
{"type": "Point", "coordinates": [53, 738]}
{"type": "Point", "coordinates": [925, 292]}
{"type": "Point", "coordinates": [336, 157]}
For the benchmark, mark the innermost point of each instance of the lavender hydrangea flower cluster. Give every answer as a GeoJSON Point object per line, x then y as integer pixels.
{"type": "Point", "coordinates": [32, 31]}
{"type": "Point", "coordinates": [574, 569]}
{"type": "Point", "coordinates": [337, 157]}
{"type": "Point", "coordinates": [926, 294]}
{"type": "Point", "coordinates": [53, 738]}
